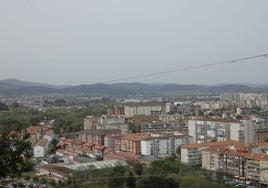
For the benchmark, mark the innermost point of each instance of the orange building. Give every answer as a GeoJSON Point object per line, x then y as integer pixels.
{"type": "Point", "coordinates": [262, 135]}
{"type": "Point", "coordinates": [132, 143]}
{"type": "Point", "coordinates": [115, 111]}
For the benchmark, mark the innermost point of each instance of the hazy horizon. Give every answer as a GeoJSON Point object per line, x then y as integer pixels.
{"type": "Point", "coordinates": [85, 42]}
{"type": "Point", "coordinates": [150, 83]}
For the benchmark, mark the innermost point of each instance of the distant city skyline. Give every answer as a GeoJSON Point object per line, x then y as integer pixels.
{"type": "Point", "coordinates": [86, 42]}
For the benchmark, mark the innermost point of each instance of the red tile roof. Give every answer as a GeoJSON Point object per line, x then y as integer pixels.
{"type": "Point", "coordinates": [127, 156]}
{"type": "Point", "coordinates": [210, 144]}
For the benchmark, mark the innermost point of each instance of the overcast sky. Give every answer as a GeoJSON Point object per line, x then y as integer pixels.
{"type": "Point", "coordinates": [86, 41]}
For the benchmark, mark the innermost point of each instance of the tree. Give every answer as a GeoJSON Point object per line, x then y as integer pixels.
{"type": "Point", "coordinates": [117, 178]}
{"type": "Point", "coordinates": [27, 166]}
{"type": "Point", "coordinates": [99, 158]}
{"type": "Point", "coordinates": [60, 102]}
{"type": "Point", "coordinates": [14, 154]}
{"type": "Point", "coordinates": [138, 168]}
{"type": "Point", "coordinates": [35, 179]}
{"type": "Point", "coordinates": [43, 180]}
{"type": "Point", "coordinates": [178, 150]}
{"type": "Point", "coordinates": [27, 177]}
{"type": "Point", "coordinates": [157, 181]}
{"type": "Point", "coordinates": [52, 183]}
{"type": "Point", "coordinates": [3, 107]}
{"type": "Point", "coordinates": [131, 180]}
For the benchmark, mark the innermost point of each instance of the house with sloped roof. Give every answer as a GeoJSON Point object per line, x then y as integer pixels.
{"type": "Point", "coordinates": [41, 148]}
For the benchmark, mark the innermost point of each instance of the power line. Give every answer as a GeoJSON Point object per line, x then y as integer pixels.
{"type": "Point", "coordinates": [188, 68]}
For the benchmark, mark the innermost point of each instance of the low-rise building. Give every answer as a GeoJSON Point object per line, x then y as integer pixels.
{"type": "Point", "coordinates": [35, 133]}
{"type": "Point", "coordinates": [41, 148]}
{"type": "Point", "coordinates": [141, 118]}
{"type": "Point", "coordinates": [49, 135]}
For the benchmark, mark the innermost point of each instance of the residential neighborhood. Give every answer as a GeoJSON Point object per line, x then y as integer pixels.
{"type": "Point", "coordinates": [226, 139]}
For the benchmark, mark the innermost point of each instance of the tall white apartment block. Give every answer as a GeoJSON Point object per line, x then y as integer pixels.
{"type": "Point", "coordinates": [216, 130]}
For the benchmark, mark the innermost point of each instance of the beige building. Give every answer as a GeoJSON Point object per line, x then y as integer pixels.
{"type": "Point", "coordinates": [89, 123]}
{"type": "Point", "coordinates": [237, 161]}
{"type": "Point", "coordinates": [191, 154]}
{"type": "Point", "coordinates": [141, 109]}
{"type": "Point", "coordinates": [223, 157]}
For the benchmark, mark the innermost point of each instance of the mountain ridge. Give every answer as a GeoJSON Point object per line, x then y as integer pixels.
{"type": "Point", "coordinates": [15, 87]}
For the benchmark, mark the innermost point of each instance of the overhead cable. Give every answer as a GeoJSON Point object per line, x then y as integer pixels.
{"type": "Point", "coordinates": [188, 68]}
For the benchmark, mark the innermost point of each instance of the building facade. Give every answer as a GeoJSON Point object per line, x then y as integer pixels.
{"type": "Point", "coordinates": [217, 130]}
{"type": "Point", "coordinates": [191, 154]}
{"type": "Point", "coordinates": [132, 143]}
{"type": "Point", "coordinates": [163, 146]}
{"type": "Point", "coordinates": [238, 162]}
{"type": "Point", "coordinates": [144, 109]}
{"type": "Point", "coordinates": [41, 148]}
{"type": "Point", "coordinates": [96, 136]}
{"type": "Point", "coordinates": [89, 123]}
{"type": "Point", "coordinates": [116, 110]}
{"type": "Point", "coordinates": [156, 127]}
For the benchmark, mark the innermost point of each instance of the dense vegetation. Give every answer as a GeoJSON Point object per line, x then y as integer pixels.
{"type": "Point", "coordinates": [164, 173]}
{"type": "Point", "coordinates": [66, 119]}
{"type": "Point", "coordinates": [15, 156]}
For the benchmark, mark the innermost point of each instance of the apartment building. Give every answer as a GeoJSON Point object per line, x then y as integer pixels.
{"type": "Point", "coordinates": [113, 142]}
{"type": "Point", "coordinates": [132, 143]}
{"type": "Point", "coordinates": [141, 108]}
{"type": "Point", "coordinates": [237, 161]}
{"type": "Point", "coordinates": [262, 135]}
{"type": "Point", "coordinates": [230, 97]}
{"type": "Point", "coordinates": [222, 157]}
{"type": "Point", "coordinates": [109, 120]}
{"type": "Point", "coordinates": [96, 136]}
{"type": "Point", "coordinates": [89, 123]}
{"type": "Point", "coordinates": [115, 110]}
{"type": "Point", "coordinates": [178, 121]}
{"type": "Point", "coordinates": [141, 118]}
{"type": "Point", "coordinates": [191, 154]}
{"type": "Point", "coordinates": [156, 127]}
{"type": "Point", "coordinates": [163, 146]}
{"type": "Point", "coordinates": [216, 130]}
{"type": "Point", "coordinates": [210, 105]}
{"type": "Point", "coordinates": [261, 148]}
{"type": "Point", "coordinates": [255, 99]}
